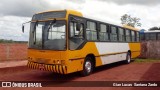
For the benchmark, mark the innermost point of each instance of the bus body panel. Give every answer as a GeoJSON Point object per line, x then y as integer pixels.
{"type": "Point", "coordinates": [48, 60]}
{"type": "Point", "coordinates": [45, 56]}
{"type": "Point", "coordinates": [135, 49]}
{"type": "Point", "coordinates": [104, 52]}
{"type": "Point", "coordinates": [111, 52]}
{"type": "Point", "coordinates": [77, 57]}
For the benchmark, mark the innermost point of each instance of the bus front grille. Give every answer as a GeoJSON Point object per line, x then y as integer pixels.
{"type": "Point", "coordinates": [48, 67]}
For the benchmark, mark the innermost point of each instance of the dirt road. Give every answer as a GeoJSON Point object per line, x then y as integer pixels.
{"type": "Point", "coordinates": [112, 72]}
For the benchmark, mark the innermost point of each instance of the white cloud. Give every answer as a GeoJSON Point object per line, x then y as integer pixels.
{"type": "Point", "coordinates": [111, 12]}
{"type": "Point", "coordinates": [10, 28]}
{"type": "Point", "coordinates": [136, 2]}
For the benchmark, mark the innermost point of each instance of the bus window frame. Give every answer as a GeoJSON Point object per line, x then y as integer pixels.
{"type": "Point", "coordinates": [98, 29]}
{"type": "Point", "coordinates": [117, 39]}
{"type": "Point", "coordinates": [107, 32]}
{"type": "Point", "coordinates": [84, 32]}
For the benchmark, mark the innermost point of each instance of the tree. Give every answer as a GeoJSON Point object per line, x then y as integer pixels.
{"type": "Point", "coordinates": [154, 28]}
{"type": "Point", "coordinates": [130, 21]}
{"type": "Point", "coordinates": [6, 41]}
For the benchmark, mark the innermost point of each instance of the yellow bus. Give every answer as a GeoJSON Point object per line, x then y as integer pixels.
{"type": "Point", "coordinates": [65, 42]}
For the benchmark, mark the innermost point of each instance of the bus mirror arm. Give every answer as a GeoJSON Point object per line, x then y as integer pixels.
{"type": "Point", "coordinates": [23, 25]}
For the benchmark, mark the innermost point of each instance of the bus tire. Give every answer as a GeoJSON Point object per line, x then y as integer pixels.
{"type": "Point", "coordinates": [128, 58]}
{"type": "Point", "coordinates": [87, 67]}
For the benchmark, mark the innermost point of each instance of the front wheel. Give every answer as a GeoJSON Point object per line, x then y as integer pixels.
{"type": "Point", "coordinates": [87, 67]}
{"type": "Point", "coordinates": [128, 58]}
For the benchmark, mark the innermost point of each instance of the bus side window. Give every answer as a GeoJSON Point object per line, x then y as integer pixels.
{"type": "Point", "coordinates": [128, 36]}
{"type": "Point", "coordinates": [138, 37]}
{"type": "Point", "coordinates": [103, 33]}
{"type": "Point", "coordinates": [113, 34]}
{"type": "Point", "coordinates": [76, 36]}
{"type": "Point", "coordinates": [72, 29]}
{"type": "Point", "coordinates": [74, 32]}
{"type": "Point", "coordinates": [91, 31]}
{"type": "Point", "coordinates": [133, 36]}
{"type": "Point", "coordinates": [121, 35]}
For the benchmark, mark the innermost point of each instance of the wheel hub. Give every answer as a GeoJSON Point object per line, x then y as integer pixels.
{"type": "Point", "coordinates": [88, 66]}
{"type": "Point", "coordinates": [129, 59]}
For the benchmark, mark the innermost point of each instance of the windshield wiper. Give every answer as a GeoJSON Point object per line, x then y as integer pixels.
{"type": "Point", "coordinates": [53, 21]}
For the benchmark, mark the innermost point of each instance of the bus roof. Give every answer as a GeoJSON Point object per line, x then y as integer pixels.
{"type": "Point", "coordinates": [76, 13]}
{"type": "Point", "coordinates": [73, 12]}
{"type": "Point", "coordinates": [129, 27]}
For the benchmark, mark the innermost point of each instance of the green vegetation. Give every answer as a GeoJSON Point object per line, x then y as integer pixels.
{"type": "Point", "coordinates": [154, 28]}
{"type": "Point", "coordinates": [11, 41]}
{"type": "Point", "coordinates": [146, 60]}
{"type": "Point", "coordinates": [130, 21]}
{"type": "Point", "coordinates": [6, 41]}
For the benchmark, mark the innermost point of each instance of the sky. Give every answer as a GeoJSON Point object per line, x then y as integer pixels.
{"type": "Point", "coordinates": [15, 12]}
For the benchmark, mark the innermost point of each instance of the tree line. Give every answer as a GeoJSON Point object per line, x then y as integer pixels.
{"type": "Point", "coordinates": [11, 41]}
{"type": "Point", "coordinates": [129, 20]}
{"type": "Point", "coordinates": [154, 28]}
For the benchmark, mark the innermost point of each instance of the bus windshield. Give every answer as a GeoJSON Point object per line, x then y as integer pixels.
{"type": "Point", "coordinates": [48, 36]}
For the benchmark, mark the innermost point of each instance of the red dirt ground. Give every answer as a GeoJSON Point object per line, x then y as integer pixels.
{"type": "Point", "coordinates": [13, 51]}
{"type": "Point", "coordinates": [113, 72]}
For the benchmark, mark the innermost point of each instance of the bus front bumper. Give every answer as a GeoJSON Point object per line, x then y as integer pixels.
{"type": "Point", "coordinates": [48, 67]}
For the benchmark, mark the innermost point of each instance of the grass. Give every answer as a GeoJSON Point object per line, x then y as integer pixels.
{"type": "Point", "coordinates": [147, 60]}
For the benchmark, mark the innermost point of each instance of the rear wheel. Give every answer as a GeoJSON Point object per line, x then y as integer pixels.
{"type": "Point", "coordinates": [87, 67]}
{"type": "Point", "coordinates": [128, 58]}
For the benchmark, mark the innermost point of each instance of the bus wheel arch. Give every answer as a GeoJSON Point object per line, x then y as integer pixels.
{"type": "Point", "coordinates": [93, 59]}
{"type": "Point", "coordinates": [129, 51]}
{"type": "Point", "coordinates": [88, 65]}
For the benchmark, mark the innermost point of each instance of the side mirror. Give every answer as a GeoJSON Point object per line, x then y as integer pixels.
{"type": "Point", "coordinates": [23, 28]}
{"type": "Point", "coordinates": [23, 25]}
{"type": "Point", "coordinates": [78, 26]}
